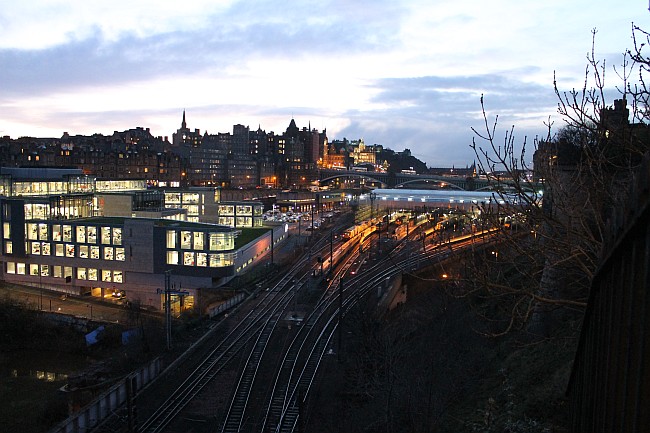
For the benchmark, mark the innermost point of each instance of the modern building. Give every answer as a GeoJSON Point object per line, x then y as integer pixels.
{"type": "Point", "coordinates": [102, 256]}
{"type": "Point", "coordinates": [119, 238]}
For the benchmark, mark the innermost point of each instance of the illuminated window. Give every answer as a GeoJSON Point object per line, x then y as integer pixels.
{"type": "Point", "coordinates": [119, 254]}
{"type": "Point", "coordinates": [171, 238]}
{"type": "Point", "coordinates": [94, 252]}
{"type": "Point", "coordinates": [36, 248]}
{"type": "Point", "coordinates": [92, 235]}
{"type": "Point", "coordinates": [57, 271]}
{"type": "Point", "coordinates": [42, 232]}
{"type": "Point", "coordinates": [221, 241]}
{"type": "Point", "coordinates": [83, 251]}
{"type": "Point", "coordinates": [81, 234]}
{"type": "Point", "coordinates": [117, 236]}
{"type": "Point", "coordinates": [9, 247]}
{"type": "Point", "coordinates": [188, 258]}
{"type": "Point", "coordinates": [67, 234]}
{"type": "Point", "coordinates": [67, 271]}
{"type": "Point", "coordinates": [172, 197]}
{"type": "Point", "coordinates": [190, 197]}
{"type": "Point", "coordinates": [6, 230]}
{"type": "Point", "coordinates": [227, 221]}
{"type": "Point", "coordinates": [45, 249]}
{"type": "Point", "coordinates": [92, 274]}
{"type": "Point", "coordinates": [20, 268]}
{"type": "Point", "coordinates": [11, 267]}
{"type": "Point", "coordinates": [118, 277]}
{"type": "Point", "coordinates": [69, 250]}
{"type": "Point", "coordinates": [107, 275]}
{"type": "Point", "coordinates": [56, 232]}
{"type": "Point", "coordinates": [108, 253]}
{"type": "Point", "coordinates": [45, 270]}
{"type": "Point", "coordinates": [106, 235]}
{"type": "Point", "coordinates": [33, 269]}
{"type": "Point", "coordinates": [201, 259]}
{"type": "Point", "coordinates": [58, 250]}
{"type": "Point", "coordinates": [198, 240]}
{"type": "Point", "coordinates": [32, 232]}
{"type": "Point", "coordinates": [172, 257]}
{"type": "Point", "coordinates": [186, 240]}
{"type": "Point", "coordinates": [82, 274]}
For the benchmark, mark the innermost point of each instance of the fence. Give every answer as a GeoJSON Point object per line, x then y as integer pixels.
{"type": "Point", "coordinates": [610, 381]}
{"type": "Point", "coordinates": [84, 420]}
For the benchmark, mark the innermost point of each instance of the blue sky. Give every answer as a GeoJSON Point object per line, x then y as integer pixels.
{"type": "Point", "coordinates": [404, 74]}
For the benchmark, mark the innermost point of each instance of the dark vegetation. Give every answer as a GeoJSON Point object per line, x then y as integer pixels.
{"type": "Point", "coordinates": [433, 365]}
{"type": "Point", "coordinates": [41, 355]}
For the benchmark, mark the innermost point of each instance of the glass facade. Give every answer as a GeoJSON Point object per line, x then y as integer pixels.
{"type": "Point", "coordinates": [188, 248]}
{"type": "Point", "coordinates": [91, 242]}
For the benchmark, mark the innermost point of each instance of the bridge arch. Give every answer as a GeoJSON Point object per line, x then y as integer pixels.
{"type": "Point", "coordinates": [348, 175]}
{"type": "Point", "coordinates": [440, 182]}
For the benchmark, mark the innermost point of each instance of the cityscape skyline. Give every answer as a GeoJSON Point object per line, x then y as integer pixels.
{"type": "Point", "coordinates": [405, 75]}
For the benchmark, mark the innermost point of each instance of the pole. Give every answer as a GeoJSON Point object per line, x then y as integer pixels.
{"type": "Point", "coordinates": [168, 313]}
{"type": "Point", "coordinates": [331, 250]}
{"type": "Point", "coordinates": [340, 319]}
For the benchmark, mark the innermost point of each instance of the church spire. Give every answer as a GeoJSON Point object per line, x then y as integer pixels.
{"type": "Point", "coordinates": [183, 124]}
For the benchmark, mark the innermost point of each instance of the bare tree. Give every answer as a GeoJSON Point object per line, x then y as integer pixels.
{"type": "Point", "coordinates": [547, 258]}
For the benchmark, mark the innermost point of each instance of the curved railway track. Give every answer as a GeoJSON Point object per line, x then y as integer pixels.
{"type": "Point", "coordinates": [297, 365]}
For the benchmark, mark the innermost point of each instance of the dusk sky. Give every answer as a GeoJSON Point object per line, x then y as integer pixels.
{"type": "Point", "coordinates": [404, 74]}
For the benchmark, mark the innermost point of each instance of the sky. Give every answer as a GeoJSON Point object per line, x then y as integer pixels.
{"type": "Point", "coordinates": [403, 74]}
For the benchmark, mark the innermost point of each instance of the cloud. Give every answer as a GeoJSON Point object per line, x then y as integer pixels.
{"type": "Point", "coordinates": [402, 74]}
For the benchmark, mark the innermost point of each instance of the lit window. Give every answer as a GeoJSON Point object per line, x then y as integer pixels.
{"type": "Point", "coordinates": [92, 235]}
{"type": "Point", "coordinates": [107, 275]}
{"type": "Point", "coordinates": [81, 274]}
{"type": "Point", "coordinates": [69, 250]}
{"type": "Point", "coordinates": [9, 247]}
{"type": "Point", "coordinates": [172, 257]}
{"type": "Point", "coordinates": [198, 240]}
{"type": "Point", "coordinates": [42, 232]}
{"type": "Point", "coordinates": [108, 253]}
{"type": "Point", "coordinates": [83, 251]}
{"type": "Point", "coordinates": [32, 232]}
{"type": "Point", "coordinates": [186, 240]}
{"type": "Point", "coordinates": [45, 248]}
{"type": "Point", "coordinates": [92, 274]}
{"type": "Point", "coordinates": [106, 235]}
{"type": "Point", "coordinates": [81, 234]}
{"type": "Point", "coordinates": [117, 277]}
{"type": "Point", "coordinates": [58, 250]}
{"type": "Point", "coordinates": [11, 267]}
{"type": "Point", "coordinates": [171, 238]}
{"type": "Point", "coordinates": [117, 236]}
{"type": "Point", "coordinates": [188, 258]}
{"type": "Point", "coordinates": [67, 234]}
{"type": "Point", "coordinates": [119, 254]}
{"type": "Point", "coordinates": [201, 259]}
{"type": "Point", "coordinates": [36, 248]}
{"type": "Point", "coordinates": [56, 232]}
{"type": "Point", "coordinates": [94, 252]}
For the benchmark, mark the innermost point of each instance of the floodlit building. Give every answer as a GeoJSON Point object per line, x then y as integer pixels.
{"type": "Point", "coordinates": [118, 239]}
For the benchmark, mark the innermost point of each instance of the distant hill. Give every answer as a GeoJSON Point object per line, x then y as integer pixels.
{"type": "Point", "coordinates": [398, 161]}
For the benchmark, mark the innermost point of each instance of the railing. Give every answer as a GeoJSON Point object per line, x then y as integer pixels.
{"type": "Point", "coordinates": [107, 403]}
{"type": "Point", "coordinates": [609, 382]}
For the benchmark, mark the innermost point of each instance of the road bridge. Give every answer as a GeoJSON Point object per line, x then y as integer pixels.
{"type": "Point", "coordinates": [393, 180]}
